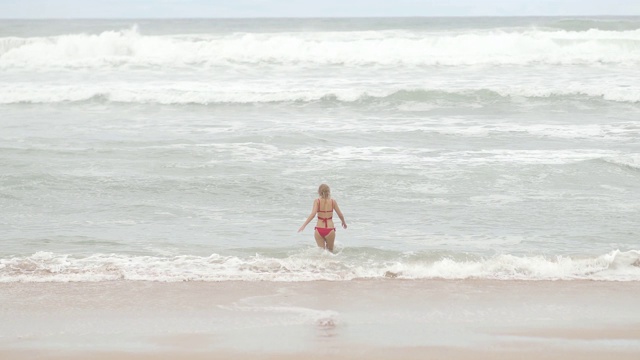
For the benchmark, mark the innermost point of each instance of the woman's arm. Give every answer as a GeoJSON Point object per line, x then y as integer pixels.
{"type": "Point", "coordinates": [314, 211]}
{"type": "Point", "coordinates": [335, 206]}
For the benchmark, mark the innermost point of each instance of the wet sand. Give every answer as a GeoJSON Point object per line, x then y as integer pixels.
{"type": "Point", "coordinates": [470, 319]}
{"type": "Point", "coordinates": [371, 353]}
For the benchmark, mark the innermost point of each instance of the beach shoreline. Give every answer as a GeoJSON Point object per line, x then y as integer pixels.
{"type": "Point", "coordinates": [371, 353]}
{"type": "Point", "coordinates": [378, 319]}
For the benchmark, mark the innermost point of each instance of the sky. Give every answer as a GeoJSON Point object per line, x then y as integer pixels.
{"type": "Point", "coordinates": [26, 9]}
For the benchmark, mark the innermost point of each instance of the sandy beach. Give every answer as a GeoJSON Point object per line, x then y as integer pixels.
{"type": "Point", "coordinates": [471, 319]}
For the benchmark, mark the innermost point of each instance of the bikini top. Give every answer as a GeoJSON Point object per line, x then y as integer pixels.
{"type": "Point", "coordinates": [325, 219]}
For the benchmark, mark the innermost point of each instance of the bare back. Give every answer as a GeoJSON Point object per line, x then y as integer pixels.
{"type": "Point", "coordinates": [325, 213]}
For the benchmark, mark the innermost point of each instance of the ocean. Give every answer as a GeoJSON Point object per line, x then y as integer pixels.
{"type": "Point", "coordinates": [191, 150]}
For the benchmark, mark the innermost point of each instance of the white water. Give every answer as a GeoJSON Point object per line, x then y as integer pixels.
{"type": "Point", "coordinates": [310, 265]}
{"type": "Point", "coordinates": [300, 49]}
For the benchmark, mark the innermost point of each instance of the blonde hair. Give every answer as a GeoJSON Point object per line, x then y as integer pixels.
{"type": "Point", "coordinates": [324, 191]}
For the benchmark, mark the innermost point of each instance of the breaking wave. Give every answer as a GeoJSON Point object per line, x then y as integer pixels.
{"type": "Point", "coordinates": [312, 265]}
{"type": "Point", "coordinates": [355, 48]}
{"type": "Point", "coordinates": [206, 94]}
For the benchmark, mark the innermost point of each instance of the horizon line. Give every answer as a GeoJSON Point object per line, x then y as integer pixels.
{"type": "Point", "coordinates": [317, 17]}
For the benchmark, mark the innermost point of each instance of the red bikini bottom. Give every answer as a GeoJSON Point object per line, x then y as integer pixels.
{"type": "Point", "coordinates": [324, 231]}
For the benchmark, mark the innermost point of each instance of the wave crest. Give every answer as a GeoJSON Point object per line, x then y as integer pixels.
{"type": "Point", "coordinates": [365, 48]}
{"type": "Point", "coordinates": [629, 161]}
{"type": "Point", "coordinates": [207, 94]}
{"type": "Point", "coordinates": [311, 265]}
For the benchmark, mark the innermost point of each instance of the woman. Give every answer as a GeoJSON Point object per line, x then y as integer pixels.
{"type": "Point", "coordinates": [325, 233]}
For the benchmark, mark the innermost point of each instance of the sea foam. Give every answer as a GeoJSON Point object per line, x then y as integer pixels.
{"type": "Point", "coordinates": [306, 265]}
{"type": "Point", "coordinates": [366, 48]}
{"type": "Point", "coordinates": [194, 93]}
